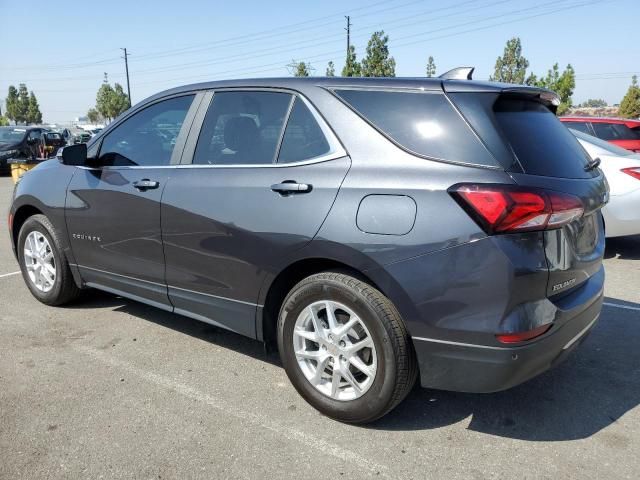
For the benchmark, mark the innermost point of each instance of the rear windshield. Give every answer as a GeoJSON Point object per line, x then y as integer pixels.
{"type": "Point", "coordinates": [425, 123]}
{"type": "Point", "coordinates": [542, 145]}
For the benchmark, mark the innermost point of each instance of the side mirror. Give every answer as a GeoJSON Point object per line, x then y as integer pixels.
{"type": "Point", "coordinates": [74, 155]}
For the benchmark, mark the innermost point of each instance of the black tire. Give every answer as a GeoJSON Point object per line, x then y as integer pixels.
{"type": "Point", "coordinates": [64, 288]}
{"type": "Point", "coordinates": [397, 368]}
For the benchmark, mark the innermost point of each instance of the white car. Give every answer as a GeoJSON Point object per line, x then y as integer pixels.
{"type": "Point", "coordinates": [622, 169]}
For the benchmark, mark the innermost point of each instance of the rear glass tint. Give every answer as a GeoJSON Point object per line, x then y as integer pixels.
{"type": "Point", "coordinates": [423, 123]}
{"type": "Point", "coordinates": [542, 144]}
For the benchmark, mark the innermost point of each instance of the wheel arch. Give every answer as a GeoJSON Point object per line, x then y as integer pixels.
{"type": "Point", "coordinates": [287, 278]}
{"type": "Point", "coordinates": [19, 217]}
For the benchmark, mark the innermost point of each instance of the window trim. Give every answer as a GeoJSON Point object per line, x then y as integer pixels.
{"type": "Point", "coordinates": [337, 149]}
{"type": "Point", "coordinates": [422, 91]}
{"type": "Point", "coordinates": [178, 149]}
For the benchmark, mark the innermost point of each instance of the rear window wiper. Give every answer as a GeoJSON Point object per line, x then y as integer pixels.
{"type": "Point", "coordinates": [593, 164]}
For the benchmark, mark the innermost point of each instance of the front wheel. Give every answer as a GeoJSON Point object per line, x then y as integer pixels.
{"type": "Point", "coordinates": [345, 348]}
{"type": "Point", "coordinates": [44, 266]}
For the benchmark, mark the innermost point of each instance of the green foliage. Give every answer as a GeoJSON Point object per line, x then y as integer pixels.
{"type": "Point", "coordinates": [431, 67]}
{"type": "Point", "coordinates": [562, 83]}
{"type": "Point", "coordinates": [22, 104]}
{"type": "Point", "coordinates": [593, 103]}
{"type": "Point", "coordinates": [377, 62]}
{"type": "Point", "coordinates": [4, 121]}
{"type": "Point", "coordinates": [93, 116]}
{"type": "Point", "coordinates": [511, 67]}
{"type": "Point", "coordinates": [111, 101]}
{"type": "Point", "coordinates": [33, 112]}
{"type": "Point", "coordinates": [331, 70]}
{"type": "Point", "coordinates": [12, 103]}
{"type": "Point", "coordinates": [630, 104]}
{"type": "Point", "coordinates": [352, 67]}
{"type": "Point", "coordinates": [301, 69]}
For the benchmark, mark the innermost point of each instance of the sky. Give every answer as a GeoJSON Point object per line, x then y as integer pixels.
{"type": "Point", "coordinates": [62, 52]}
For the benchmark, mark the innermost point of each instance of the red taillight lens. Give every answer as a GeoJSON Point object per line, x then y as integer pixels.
{"type": "Point", "coordinates": [634, 172]}
{"type": "Point", "coordinates": [508, 208]}
{"type": "Point", "coordinates": [523, 336]}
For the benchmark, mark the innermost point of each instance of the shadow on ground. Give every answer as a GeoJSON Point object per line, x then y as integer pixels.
{"type": "Point", "coordinates": [626, 248]}
{"type": "Point", "coordinates": [597, 385]}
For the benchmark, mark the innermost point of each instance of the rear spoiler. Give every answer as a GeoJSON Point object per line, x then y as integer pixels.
{"type": "Point", "coordinates": [458, 80]}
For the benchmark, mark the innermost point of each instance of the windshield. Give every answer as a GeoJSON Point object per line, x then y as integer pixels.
{"type": "Point", "coordinates": [11, 134]}
{"type": "Point", "coordinates": [601, 144]}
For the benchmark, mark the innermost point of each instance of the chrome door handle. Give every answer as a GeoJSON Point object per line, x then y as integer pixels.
{"type": "Point", "coordinates": [145, 184]}
{"type": "Point", "coordinates": [289, 186]}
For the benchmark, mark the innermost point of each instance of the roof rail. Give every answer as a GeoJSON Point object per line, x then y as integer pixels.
{"type": "Point", "coordinates": [460, 73]}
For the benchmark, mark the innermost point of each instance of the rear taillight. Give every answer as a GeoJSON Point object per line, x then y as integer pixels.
{"type": "Point", "coordinates": [634, 172]}
{"type": "Point", "coordinates": [523, 336]}
{"type": "Point", "coordinates": [510, 208]}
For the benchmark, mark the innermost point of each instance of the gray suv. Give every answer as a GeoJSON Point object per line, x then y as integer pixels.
{"type": "Point", "coordinates": [377, 230]}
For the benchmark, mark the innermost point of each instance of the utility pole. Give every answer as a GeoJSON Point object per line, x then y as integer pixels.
{"type": "Point", "coordinates": [348, 29]}
{"type": "Point", "coordinates": [126, 66]}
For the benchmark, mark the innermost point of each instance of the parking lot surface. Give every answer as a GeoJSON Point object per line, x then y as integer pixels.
{"type": "Point", "coordinates": [110, 388]}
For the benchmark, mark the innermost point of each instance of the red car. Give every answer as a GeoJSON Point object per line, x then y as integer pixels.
{"type": "Point", "coordinates": [620, 131]}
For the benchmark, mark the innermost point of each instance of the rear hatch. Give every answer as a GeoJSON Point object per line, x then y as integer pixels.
{"type": "Point", "coordinates": [519, 126]}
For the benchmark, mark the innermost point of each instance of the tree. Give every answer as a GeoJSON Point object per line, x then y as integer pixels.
{"type": "Point", "coordinates": [12, 103]}
{"type": "Point", "coordinates": [377, 62]}
{"type": "Point", "coordinates": [630, 104]}
{"type": "Point", "coordinates": [301, 69]}
{"type": "Point", "coordinates": [511, 67]}
{"type": "Point", "coordinates": [119, 101]}
{"type": "Point", "coordinates": [4, 121]}
{"type": "Point", "coordinates": [331, 70]}
{"type": "Point", "coordinates": [93, 116]}
{"type": "Point", "coordinates": [33, 112]}
{"type": "Point", "coordinates": [351, 66]}
{"type": "Point", "coordinates": [111, 101]}
{"type": "Point", "coordinates": [431, 67]}
{"type": "Point", "coordinates": [22, 104]}
{"type": "Point", "coordinates": [562, 83]}
{"type": "Point", "coordinates": [593, 103]}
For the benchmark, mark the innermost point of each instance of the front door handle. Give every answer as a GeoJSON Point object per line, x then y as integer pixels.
{"type": "Point", "coordinates": [145, 184]}
{"type": "Point", "coordinates": [289, 187]}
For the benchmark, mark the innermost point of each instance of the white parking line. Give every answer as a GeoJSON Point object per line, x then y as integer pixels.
{"type": "Point", "coordinates": [626, 307]}
{"type": "Point", "coordinates": [297, 436]}
{"type": "Point", "coordinates": [9, 274]}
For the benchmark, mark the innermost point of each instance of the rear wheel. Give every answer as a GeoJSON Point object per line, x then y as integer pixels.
{"type": "Point", "coordinates": [345, 348]}
{"type": "Point", "coordinates": [43, 264]}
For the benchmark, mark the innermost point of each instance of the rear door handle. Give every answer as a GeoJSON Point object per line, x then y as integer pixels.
{"type": "Point", "coordinates": [145, 184]}
{"type": "Point", "coordinates": [289, 186]}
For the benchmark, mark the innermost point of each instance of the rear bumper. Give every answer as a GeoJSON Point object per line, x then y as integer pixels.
{"type": "Point", "coordinates": [463, 367]}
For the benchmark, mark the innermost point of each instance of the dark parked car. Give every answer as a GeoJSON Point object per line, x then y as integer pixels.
{"type": "Point", "coordinates": [377, 230]}
{"type": "Point", "coordinates": [19, 142]}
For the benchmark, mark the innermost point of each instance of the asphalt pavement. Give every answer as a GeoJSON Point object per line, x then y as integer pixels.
{"type": "Point", "coordinates": [110, 388]}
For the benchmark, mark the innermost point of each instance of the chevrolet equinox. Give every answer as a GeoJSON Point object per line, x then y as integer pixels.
{"type": "Point", "coordinates": [379, 230]}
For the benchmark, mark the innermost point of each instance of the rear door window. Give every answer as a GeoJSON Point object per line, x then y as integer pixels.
{"type": "Point", "coordinates": [614, 131]}
{"type": "Point", "coordinates": [242, 128]}
{"type": "Point", "coordinates": [303, 138]}
{"type": "Point", "coordinates": [542, 145]}
{"type": "Point", "coordinates": [580, 126]}
{"type": "Point", "coordinates": [424, 123]}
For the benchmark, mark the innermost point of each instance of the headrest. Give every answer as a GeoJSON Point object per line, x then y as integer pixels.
{"type": "Point", "coordinates": [240, 132]}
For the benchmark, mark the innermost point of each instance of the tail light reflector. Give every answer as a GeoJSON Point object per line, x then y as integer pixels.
{"type": "Point", "coordinates": [633, 171]}
{"type": "Point", "coordinates": [510, 208]}
{"type": "Point", "coordinates": [523, 336]}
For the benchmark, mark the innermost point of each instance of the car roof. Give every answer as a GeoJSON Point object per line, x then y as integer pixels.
{"type": "Point", "coordinates": [301, 83]}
